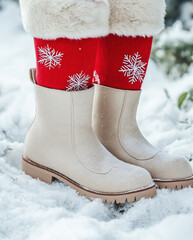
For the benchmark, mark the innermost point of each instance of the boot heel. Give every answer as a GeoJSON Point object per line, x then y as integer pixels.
{"type": "Point", "coordinates": [36, 172]}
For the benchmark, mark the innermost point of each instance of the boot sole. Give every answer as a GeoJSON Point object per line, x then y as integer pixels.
{"type": "Point", "coordinates": [48, 175]}
{"type": "Point", "coordinates": [174, 184]}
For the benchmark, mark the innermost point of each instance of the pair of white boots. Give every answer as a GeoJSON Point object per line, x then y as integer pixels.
{"type": "Point", "coordinates": [61, 144]}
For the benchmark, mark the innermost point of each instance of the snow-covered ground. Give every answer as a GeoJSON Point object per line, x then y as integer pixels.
{"type": "Point", "coordinates": [33, 210]}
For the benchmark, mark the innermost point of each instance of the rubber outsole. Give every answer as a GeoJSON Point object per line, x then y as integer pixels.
{"type": "Point", "coordinates": [174, 184]}
{"type": "Point", "coordinates": [48, 175]}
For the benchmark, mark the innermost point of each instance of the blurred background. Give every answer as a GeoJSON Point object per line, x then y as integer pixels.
{"type": "Point", "coordinates": [173, 48]}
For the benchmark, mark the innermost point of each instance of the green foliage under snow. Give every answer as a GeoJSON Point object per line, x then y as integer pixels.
{"type": "Point", "coordinates": [173, 51]}
{"type": "Point", "coordinates": [173, 48]}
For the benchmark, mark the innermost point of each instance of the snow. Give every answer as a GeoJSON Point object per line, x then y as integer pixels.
{"type": "Point", "coordinates": [33, 210]}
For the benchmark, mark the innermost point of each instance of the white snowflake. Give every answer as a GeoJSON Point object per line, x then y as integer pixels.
{"type": "Point", "coordinates": [133, 68]}
{"type": "Point", "coordinates": [49, 57]}
{"type": "Point", "coordinates": [96, 78]}
{"type": "Point", "coordinates": [78, 82]}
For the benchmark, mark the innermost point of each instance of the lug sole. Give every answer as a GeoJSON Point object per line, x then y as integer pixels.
{"type": "Point", "coordinates": [175, 184]}
{"type": "Point", "coordinates": [48, 175]}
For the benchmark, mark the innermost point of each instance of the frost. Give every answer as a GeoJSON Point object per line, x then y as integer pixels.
{"type": "Point", "coordinates": [49, 57]}
{"type": "Point", "coordinates": [78, 82]}
{"type": "Point", "coordinates": [133, 68]}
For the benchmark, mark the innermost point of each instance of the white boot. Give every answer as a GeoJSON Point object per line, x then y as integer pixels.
{"type": "Point", "coordinates": [61, 144]}
{"type": "Point", "coordinates": [114, 123]}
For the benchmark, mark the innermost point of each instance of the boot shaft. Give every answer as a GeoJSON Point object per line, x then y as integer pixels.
{"type": "Point", "coordinates": [114, 123]}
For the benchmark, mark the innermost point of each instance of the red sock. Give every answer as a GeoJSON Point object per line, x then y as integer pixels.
{"type": "Point", "coordinates": [65, 64]}
{"type": "Point", "coordinates": [122, 62]}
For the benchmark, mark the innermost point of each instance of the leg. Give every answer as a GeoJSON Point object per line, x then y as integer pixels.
{"type": "Point", "coordinates": [122, 62]}
{"type": "Point", "coordinates": [61, 143]}
{"type": "Point", "coordinates": [63, 63]}
{"type": "Point", "coordinates": [125, 56]}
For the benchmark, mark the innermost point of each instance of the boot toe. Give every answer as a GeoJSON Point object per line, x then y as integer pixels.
{"type": "Point", "coordinates": [171, 167]}
{"type": "Point", "coordinates": [127, 177]}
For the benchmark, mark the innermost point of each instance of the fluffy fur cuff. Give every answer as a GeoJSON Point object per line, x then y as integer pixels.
{"type": "Point", "coordinates": [137, 17]}
{"type": "Point", "coordinates": [74, 19]}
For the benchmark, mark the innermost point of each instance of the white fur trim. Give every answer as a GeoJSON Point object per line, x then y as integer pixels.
{"type": "Point", "coordinates": [137, 17]}
{"type": "Point", "coordinates": [74, 19]}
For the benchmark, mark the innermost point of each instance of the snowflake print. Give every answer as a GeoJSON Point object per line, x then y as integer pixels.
{"type": "Point", "coordinates": [96, 78]}
{"type": "Point", "coordinates": [133, 68]}
{"type": "Point", "coordinates": [78, 82]}
{"type": "Point", "coordinates": [49, 57]}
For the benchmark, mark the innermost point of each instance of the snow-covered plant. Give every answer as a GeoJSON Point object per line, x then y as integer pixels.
{"type": "Point", "coordinates": [187, 15]}
{"type": "Point", "coordinates": [174, 10]}
{"type": "Point", "coordinates": [173, 50]}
